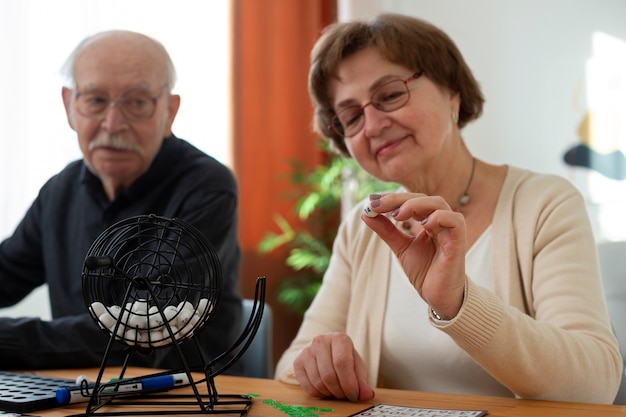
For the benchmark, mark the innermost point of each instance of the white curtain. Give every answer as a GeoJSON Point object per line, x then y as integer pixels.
{"type": "Point", "coordinates": [35, 38]}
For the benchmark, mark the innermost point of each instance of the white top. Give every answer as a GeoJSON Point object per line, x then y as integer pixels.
{"type": "Point", "coordinates": [418, 356]}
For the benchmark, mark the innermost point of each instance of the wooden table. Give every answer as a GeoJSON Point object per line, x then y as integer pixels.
{"type": "Point", "coordinates": [264, 392]}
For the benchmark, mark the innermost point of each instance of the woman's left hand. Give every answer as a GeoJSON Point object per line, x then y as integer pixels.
{"type": "Point", "coordinates": [433, 259]}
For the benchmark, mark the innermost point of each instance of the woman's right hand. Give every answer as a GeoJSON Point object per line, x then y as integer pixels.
{"type": "Point", "coordinates": [434, 258]}
{"type": "Point", "coordinates": [330, 367]}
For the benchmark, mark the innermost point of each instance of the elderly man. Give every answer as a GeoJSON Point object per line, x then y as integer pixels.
{"type": "Point", "coordinates": [119, 102]}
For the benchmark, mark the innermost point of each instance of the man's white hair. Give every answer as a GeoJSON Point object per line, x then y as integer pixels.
{"type": "Point", "coordinates": [67, 70]}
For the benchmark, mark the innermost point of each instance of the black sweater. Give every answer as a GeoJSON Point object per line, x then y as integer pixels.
{"type": "Point", "coordinates": [70, 212]}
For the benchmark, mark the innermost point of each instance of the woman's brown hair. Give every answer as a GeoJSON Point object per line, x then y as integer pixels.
{"type": "Point", "coordinates": [404, 40]}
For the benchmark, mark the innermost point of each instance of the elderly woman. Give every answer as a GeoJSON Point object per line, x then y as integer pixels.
{"type": "Point", "coordinates": [472, 278]}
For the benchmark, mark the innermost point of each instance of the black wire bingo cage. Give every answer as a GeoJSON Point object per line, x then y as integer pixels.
{"type": "Point", "coordinates": [151, 282]}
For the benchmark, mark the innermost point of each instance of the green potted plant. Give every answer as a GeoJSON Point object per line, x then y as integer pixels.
{"type": "Point", "coordinates": [320, 196]}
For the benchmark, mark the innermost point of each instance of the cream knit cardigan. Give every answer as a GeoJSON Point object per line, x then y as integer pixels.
{"type": "Point", "coordinates": [544, 330]}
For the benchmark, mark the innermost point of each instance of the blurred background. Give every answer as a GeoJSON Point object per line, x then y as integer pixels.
{"type": "Point", "coordinates": [553, 73]}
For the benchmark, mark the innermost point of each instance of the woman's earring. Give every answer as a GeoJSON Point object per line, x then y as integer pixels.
{"type": "Point", "coordinates": [455, 117]}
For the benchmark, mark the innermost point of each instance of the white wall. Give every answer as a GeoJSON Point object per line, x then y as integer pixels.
{"type": "Point", "coordinates": [530, 57]}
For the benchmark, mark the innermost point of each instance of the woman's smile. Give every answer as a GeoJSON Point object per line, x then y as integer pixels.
{"type": "Point", "coordinates": [389, 148]}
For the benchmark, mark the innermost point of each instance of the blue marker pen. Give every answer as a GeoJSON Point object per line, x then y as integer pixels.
{"type": "Point", "coordinates": [72, 395]}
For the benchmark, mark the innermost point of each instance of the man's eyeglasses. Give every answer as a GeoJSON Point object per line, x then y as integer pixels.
{"type": "Point", "coordinates": [387, 97]}
{"type": "Point", "coordinates": [134, 105]}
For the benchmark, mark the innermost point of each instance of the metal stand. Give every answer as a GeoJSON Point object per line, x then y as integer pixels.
{"type": "Point", "coordinates": [128, 397]}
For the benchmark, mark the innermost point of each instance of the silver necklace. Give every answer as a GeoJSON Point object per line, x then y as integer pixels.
{"type": "Point", "coordinates": [465, 198]}
{"type": "Point", "coordinates": [463, 201]}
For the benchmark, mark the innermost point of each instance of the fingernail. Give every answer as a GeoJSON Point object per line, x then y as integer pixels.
{"type": "Point", "coordinates": [424, 221]}
{"type": "Point", "coordinates": [375, 203]}
{"type": "Point", "coordinates": [395, 212]}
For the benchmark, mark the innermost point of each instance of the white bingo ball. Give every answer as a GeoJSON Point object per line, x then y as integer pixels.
{"type": "Point", "coordinates": [130, 337]}
{"type": "Point", "coordinates": [125, 316]}
{"type": "Point", "coordinates": [184, 315]}
{"type": "Point", "coordinates": [140, 305]}
{"type": "Point", "coordinates": [155, 335]}
{"type": "Point", "coordinates": [80, 379]}
{"type": "Point", "coordinates": [170, 313]}
{"type": "Point", "coordinates": [204, 306]}
{"type": "Point", "coordinates": [190, 325]}
{"type": "Point", "coordinates": [97, 309]}
{"type": "Point", "coordinates": [367, 209]}
{"type": "Point", "coordinates": [115, 310]}
{"type": "Point", "coordinates": [185, 305]}
{"type": "Point", "coordinates": [121, 330]}
{"type": "Point", "coordinates": [107, 321]}
{"type": "Point", "coordinates": [154, 318]}
{"type": "Point", "coordinates": [142, 338]}
{"type": "Point", "coordinates": [161, 342]}
{"type": "Point", "coordinates": [139, 321]}
{"type": "Point", "coordinates": [175, 332]}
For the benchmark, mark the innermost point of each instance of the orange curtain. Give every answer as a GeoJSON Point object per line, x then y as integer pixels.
{"type": "Point", "coordinates": [271, 126]}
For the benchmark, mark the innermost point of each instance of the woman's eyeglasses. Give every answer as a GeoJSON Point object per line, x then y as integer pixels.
{"type": "Point", "coordinates": [387, 97]}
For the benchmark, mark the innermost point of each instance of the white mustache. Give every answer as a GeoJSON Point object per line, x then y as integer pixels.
{"type": "Point", "coordinates": [114, 142]}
